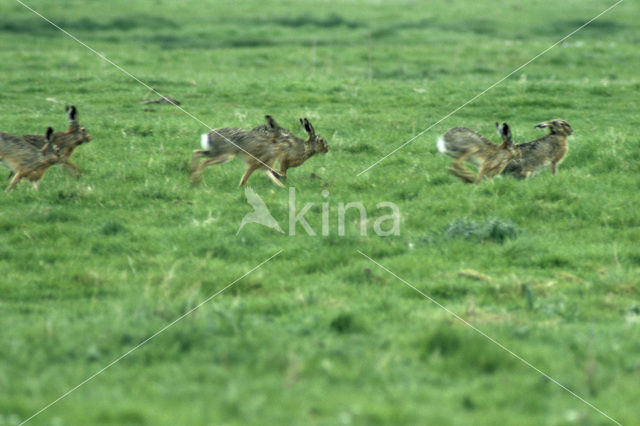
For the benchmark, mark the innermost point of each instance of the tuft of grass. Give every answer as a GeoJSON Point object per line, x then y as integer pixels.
{"type": "Point", "coordinates": [496, 230]}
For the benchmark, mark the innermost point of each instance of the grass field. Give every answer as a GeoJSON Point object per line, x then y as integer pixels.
{"type": "Point", "coordinates": [548, 267]}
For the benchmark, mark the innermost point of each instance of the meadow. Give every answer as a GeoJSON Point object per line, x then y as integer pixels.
{"type": "Point", "coordinates": [549, 267]}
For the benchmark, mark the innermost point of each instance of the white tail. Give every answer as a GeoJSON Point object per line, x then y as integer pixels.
{"type": "Point", "coordinates": [204, 141]}
{"type": "Point", "coordinates": [442, 147]}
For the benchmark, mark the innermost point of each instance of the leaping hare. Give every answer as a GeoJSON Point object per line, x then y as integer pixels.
{"type": "Point", "coordinates": [546, 151]}
{"type": "Point", "coordinates": [261, 147]}
{"type": "Point", "coordinates": [25, 160]}
{"type": "Point", "coordinates": [258, 147]}
{"type": "Point", "coordinates": [464, 144]}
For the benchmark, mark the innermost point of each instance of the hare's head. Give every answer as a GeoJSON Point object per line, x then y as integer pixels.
{"type": "Point", "coordinates": [557, 127]}
{"type": "Point", "coordinates": [80, 133]}
{"type": "Point", "coordinates": [318, 143]}
{"type": "Point", "coordinates": [50, 148]}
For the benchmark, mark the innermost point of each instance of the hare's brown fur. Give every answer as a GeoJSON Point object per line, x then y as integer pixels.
{"type": "Point", "coordinates": [261, 147]}
{"type": "Point", "coordinates": [549, 150]}
{"type": "Point", "coordinates": [25, 160]}
{"type": "Point", "coordinates": [257, 147]}
{"type": "Point", "coordinates": [67, 141]}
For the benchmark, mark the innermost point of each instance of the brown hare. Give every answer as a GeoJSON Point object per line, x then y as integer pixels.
{"type": "Point", "coordinates": [258, 147]}
{"type": "Point", "coordinates": [549, 150]}
{"type": "Point", "coordinates": [464, 144]}
{"type": "Point", "coordinates": [67, 141]}
{"type": "Point", "coordinates": [25, 160]}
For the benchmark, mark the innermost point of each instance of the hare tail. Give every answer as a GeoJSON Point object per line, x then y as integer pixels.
{"type": "Point", "coordinates": [442, 146]}
{"type": "Point", "coordinates": [204, 141]}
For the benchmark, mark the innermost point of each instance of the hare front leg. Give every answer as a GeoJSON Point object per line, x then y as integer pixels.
{"type": "Point", "coordinates": [273, 178]}
{"type": "Point", "coordinates": [273, 174]}
{"type": "Point", "coordinates": [284, 165]}
{"type": "Point", "coordinates": [75, 169]}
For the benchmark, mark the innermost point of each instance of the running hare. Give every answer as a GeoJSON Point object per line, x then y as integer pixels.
{"type": "Point", "coordinates": [464, 144]}
{"type": "Point", "coordinates": [67, 141]}
{"type": "Point", "coordinates": [540, 153]}
{"type": "Point", "coordinates": [258, 147]}
{"type": "Point", "coordinates": [25, 160]}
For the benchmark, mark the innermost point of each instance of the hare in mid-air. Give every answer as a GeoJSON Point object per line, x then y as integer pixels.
{"type": "Point", "coordinates": [25, 160]}
{"type": "Point", "coordinates": [548, 150]}
{"type": "Point", "coordinates": [258, 147]}
{"type": "Point", "coordinates": [464, 144]}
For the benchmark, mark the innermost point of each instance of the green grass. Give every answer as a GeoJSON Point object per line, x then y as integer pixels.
{"type": "Point", "coordinates": [549, 267]}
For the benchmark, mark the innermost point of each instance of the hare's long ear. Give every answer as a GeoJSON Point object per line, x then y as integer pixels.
{"type": "Point", "coordinates": [506, 133]}
{"type": "Point", "coordinates": [47, 137]}
{"type": "Point", "coordinates": [72, 113]}
{"type": "Point", "coordinates": [309, 128]}
{"type": "Point", "coordinates": [271, 123]}
{"type": "Point", "coordinates": [543, 125]}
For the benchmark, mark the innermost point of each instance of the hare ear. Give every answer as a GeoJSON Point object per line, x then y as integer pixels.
{"type": "Point", "coordinates": [503, 131]}
{"type": "Point", "coordinates": [506, 132]}
{"type": "Point", "coordinates": [271, 123]}
{"type": "Point", "coordinates": [48, 139]}
{"type": "Point", "coordinates": [309, 128]}
{"type": "Point", "coordinates": [543, 125]}
{"type": "Point", "coordinates": [302, 122]}
{"type": "Point", "coordinates": [72, 112]}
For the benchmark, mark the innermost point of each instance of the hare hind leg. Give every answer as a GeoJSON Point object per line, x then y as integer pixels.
{"type": "Point", "coordinates": [461, 172]}
{"type": "Point", "coordinates": [250, 169]}
{"type": "Point", "coordinates": [195, 157]}
{"type": "Point", "coordinates": [197, 174]}
{"type": "Point", "coordinates": [481, 174]}
{"type": "Point", "coordinates": [16, 178]}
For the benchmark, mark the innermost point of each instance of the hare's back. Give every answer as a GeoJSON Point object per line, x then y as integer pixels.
{"type": "Point", "coordinates": [462, 138]}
